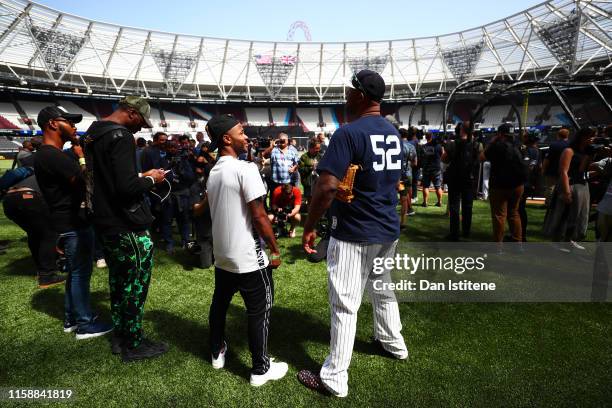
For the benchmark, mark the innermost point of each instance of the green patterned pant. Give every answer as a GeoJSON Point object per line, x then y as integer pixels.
{"type": "Point", "coordinates": [130, 260]}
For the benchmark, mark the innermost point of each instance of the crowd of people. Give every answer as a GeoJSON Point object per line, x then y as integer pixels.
{"type": "Point", "coordinates": [109, 198]}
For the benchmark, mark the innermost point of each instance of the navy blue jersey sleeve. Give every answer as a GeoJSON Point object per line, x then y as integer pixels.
{"type": "Point", "coordinates": [338, 155]}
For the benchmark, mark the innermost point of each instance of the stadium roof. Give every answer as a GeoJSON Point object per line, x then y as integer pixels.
{"type": "Point", "coordinates": [44, 48]}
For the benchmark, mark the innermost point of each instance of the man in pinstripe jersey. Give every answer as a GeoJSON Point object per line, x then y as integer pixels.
{"type": "Point", "coordinates": [363, 228]}
{"type": "Point", "coordinates": [235, 191]}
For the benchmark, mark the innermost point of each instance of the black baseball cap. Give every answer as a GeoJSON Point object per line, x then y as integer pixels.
{"type": "Point", "coordinates": [217, 126]}
{"type": "Point", "coordinates": [370, 83]}
{"type": "Point", "coordinates": [54, 112]}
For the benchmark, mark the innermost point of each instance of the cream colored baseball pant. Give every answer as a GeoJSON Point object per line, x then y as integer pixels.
{"type": "Point", "coordinates": [350, 267]}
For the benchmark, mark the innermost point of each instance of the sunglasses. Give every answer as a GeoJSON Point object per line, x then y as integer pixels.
{"type": "Point", "coordinates": [357, 84]}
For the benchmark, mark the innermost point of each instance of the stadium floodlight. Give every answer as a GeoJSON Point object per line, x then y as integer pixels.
{"type": "Point", "coordinates": [560, 37]}
{"type": "Point", "coordinates": [174, 66]}
{"type": "Point", "coordinates": [377, 64]}
{"type": "Point", "coordinates": [56, 49]}
{"type": "Point", "coordinates": [274, 71]}
{"type": "Point", "coordinates": [461, 61]}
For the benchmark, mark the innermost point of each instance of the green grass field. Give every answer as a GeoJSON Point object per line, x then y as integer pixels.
{"type": "Point", "coordinates": [464, 355]}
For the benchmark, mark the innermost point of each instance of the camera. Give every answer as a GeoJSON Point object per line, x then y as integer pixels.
{"type": "Point", "coordinates": [193, 247]}
{"type": "Point", "coordinates": [281, 222]}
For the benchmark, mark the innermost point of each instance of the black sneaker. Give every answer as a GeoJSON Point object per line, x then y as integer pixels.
{"type": "Point", "coordinates": [52, 279]}
{"type": "Point", "coordinates": [438, 204]}
{"type": "Point", "coordinates": [116, 343]}
{"type": "Point", "coordinates": [146, 349]}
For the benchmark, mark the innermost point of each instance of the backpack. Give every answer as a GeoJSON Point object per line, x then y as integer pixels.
{"type": "Point", "coordinates": [464, 159]}
{"type": "Point", "coordinates": [407, 157]}
{"type": "Point", "coordinates": [531, 159]}
{"type": "Point", "coordinates": [14, 176]}
{"type": "Point", "coordinates": [516, 163]}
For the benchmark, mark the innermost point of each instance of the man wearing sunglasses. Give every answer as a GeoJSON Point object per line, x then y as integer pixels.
{"type": "Point", "coordinates": [364, 226]}
{"type": "Point", "coordinates": [115, 198]}
{"type": "Point", "coordinates": [62, 184]}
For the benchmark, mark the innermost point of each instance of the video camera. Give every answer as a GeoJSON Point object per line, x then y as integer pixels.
{"type": "Point", "coordinates": [281, 222]}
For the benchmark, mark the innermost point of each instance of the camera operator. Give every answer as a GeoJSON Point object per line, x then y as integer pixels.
{"type": "Point", "coordinates": [201, 211]}
{"type": "Point", "coordinates": [265, 169]}
{"type": "Point", "coordinates": [181, 179]}
{"type": "Point", "coordinates": [283, 160]}
{"type": "Point", "coordinates": [307, 167]}
{"type": "Point", "coordinates": [286, 203]}
{"type": "Point", "coordinates": [155, 157]}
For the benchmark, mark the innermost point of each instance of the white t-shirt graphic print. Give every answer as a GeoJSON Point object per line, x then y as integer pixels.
{"type": "Point", "coordinates": [231, 186]}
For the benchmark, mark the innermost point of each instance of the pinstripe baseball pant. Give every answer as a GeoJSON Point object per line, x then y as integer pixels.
{"type": "Point", "coordinates": [350, 270]}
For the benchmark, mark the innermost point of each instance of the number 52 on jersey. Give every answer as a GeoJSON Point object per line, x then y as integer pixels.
{"type": "Point", "coordinates": [388, 152]}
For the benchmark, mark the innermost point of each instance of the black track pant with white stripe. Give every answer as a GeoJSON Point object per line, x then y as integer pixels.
{"type": "Point", "coordinates": [350, 267]}
{"type": "Point", "coordinates": [257, 291]}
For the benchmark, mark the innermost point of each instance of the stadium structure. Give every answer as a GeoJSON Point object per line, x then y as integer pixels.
{"type": "Point", "coordinates": [553, 61]}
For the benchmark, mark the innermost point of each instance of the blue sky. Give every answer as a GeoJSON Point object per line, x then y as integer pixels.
{"type": "Point", "coordinates": [270, 20]}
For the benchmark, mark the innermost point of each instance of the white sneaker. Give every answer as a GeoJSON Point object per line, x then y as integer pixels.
{"type": "Point", "coordinates": [275, 372]}
{"type": "Point", "coordinates": [219, 362]}
{"type": "Point", "coordinates": [101, 263]}
{"type": "Point", "coordinates": [576, 245]}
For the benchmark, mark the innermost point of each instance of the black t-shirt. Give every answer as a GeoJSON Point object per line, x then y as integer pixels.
{"type": "Point", "coordinates": [54, 170]}
{"type": "Point", "coordinates": [505, 159]}
{"type": "Point", "coordinates": [432, 152]}
{"type": "Point", "coordinates": [554, 156]}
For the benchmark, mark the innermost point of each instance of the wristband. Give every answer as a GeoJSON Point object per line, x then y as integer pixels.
{"type": "Point", "coordinates": [151, 178]}
{"type": "Point", "coordinates": [274, 257]}
{"type": "Point", "coordinates": [81, 161]}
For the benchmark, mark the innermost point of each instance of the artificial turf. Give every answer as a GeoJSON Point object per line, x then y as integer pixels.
{"type": "Point", "coordinates": [555, 354]}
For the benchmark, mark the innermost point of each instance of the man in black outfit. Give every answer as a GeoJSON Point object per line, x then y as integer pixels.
{"type": "Point", "coordinates": [122, 218]}
{"type": "Point", "coordinates": [61, 181]}
{"type": "Point", "coordinates": [462, 155]}
{"type": "Point", "coordinates": [201, 212]}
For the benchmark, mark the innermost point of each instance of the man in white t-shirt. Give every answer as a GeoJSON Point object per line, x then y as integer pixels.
{"type": "Point", "coordinates": [235, 196]}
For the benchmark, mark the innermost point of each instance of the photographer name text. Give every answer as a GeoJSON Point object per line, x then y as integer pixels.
{"type": "Point", "coordinates": [426, 285]}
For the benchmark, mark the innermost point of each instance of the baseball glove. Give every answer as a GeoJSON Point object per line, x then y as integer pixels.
{"type": "Point", "coordinates": [345, 188]}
